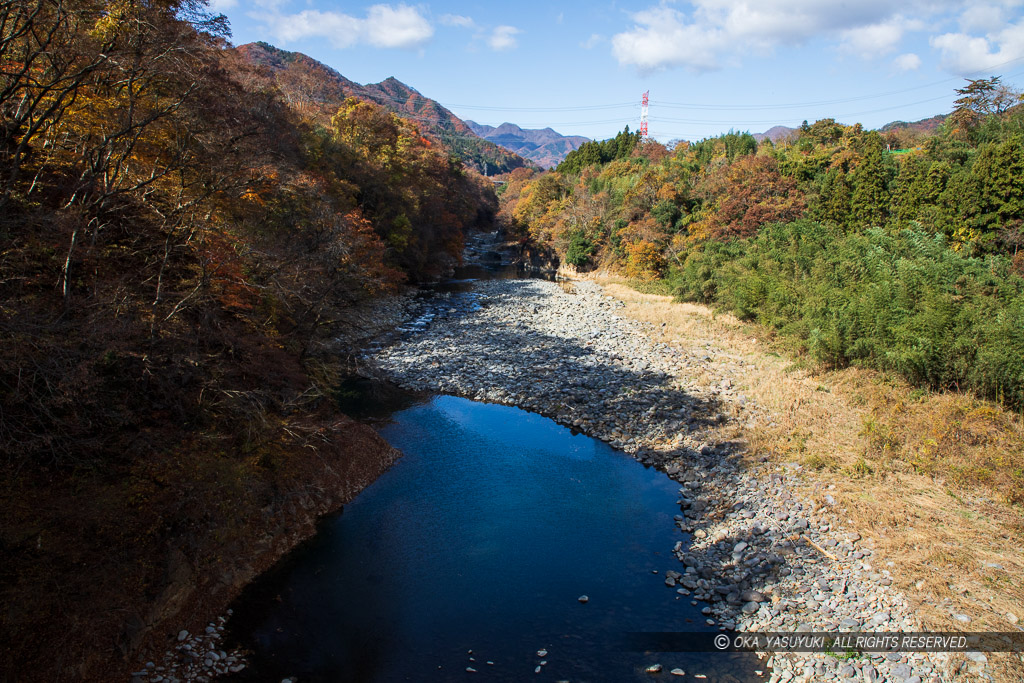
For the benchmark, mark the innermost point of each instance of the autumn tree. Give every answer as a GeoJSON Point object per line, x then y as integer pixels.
{"type": "Point", "coordinates": [48, 52]}
{"type": "Point", "coordinates": [644, 260]}
{"type": "Point", "coordinates": [981, 97]}
{"type": "Point", "coordinates": [753, 194]}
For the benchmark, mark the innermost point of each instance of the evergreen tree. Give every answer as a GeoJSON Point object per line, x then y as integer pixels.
{"type": "Point", "coordinates": [910, 190]}
{"type": "Point", "coordinates": [998, 174]}
{"type": "Point", "coordinates": [833, 203]}
{"type": "Point", "coordinates": [938, 176]}
{"type": "Point", "coordinates": [869, 202]}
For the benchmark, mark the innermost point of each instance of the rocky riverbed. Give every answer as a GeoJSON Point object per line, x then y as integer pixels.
{"type": "Point", "coordinates": [761, 556]}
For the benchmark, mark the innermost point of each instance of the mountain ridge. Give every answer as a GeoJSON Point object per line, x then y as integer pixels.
{"type": "Point", "coordinates": [544, 146]}
{"type": "Point", "coordinates": [925, 125]}
{"type": "Point", "coordinates": [775, 134]}
{"type": "Point", "coordinates": [311, 85]}
{"type": "Point", "coordinates": [928, 125]}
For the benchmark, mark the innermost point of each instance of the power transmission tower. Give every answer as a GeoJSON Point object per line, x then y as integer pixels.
{"type": "Point", "coordinates": [643, 117]}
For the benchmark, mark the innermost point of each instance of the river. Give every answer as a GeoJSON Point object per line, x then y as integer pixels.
{"type": "Point", "coordinates": [502, 545]}
{"type": "Point", "coordinates": [472, 552]}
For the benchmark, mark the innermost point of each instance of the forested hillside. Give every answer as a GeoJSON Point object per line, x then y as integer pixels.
{"type": "Point", "coordinates": [315, 88]}
{"type": "Point", "coordinates": [182, 242]}
{"type": "Point", "coordinates": [899, 250]}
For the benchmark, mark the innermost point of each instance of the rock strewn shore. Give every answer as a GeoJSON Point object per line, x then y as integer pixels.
{"type": "Point", "coordinates": [761, 557]}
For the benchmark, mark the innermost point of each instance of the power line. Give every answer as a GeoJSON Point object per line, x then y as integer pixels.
{"type": "Point", "coordinates": [721, 106]}
{"type": "Point", "coordinates": [845, 100]}
{"type": "Point", "coordinates": [528, 126]}
{"type": "Point", "coordinates": [765, 121]}
{"type": "Point", "coordinates": [591, 107]}
{"type": "Point", "coordinates": [719, 121]}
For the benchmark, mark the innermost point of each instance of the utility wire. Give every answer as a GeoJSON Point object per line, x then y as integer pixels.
{"type": "Point", "coordinates": [704, 105]}
{"type": "Point", "coordinates": [846, 100]}
{"type": "Point", "coordinates": [766, 121]}
{"type": "Point", "coordinates": [437, 120]}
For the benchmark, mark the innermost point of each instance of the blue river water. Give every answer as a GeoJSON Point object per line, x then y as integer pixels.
{"type": "Point", "coordinates": [472, 552]}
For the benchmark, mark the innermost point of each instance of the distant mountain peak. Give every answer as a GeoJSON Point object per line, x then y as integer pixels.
{"type": "Point", "coordinates": [928, 125]}
{"type": "Point", "coordinates": [544, 146]}
{"type": "Point", "coordinates": [775, 133]}
{"type": "Point", "coordinates": [479, 128]}
{"type": "Point", "coordinates": [392, 83]}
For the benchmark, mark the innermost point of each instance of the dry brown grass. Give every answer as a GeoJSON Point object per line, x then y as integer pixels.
{"type": "Point", "coordinates": [935, 480]}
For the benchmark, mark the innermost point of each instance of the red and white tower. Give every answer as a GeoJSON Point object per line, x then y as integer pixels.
{"type": "Point", "coordinates": [643, 117]}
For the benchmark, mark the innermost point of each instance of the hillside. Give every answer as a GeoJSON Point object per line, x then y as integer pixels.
{"type": "Point", "coordinates": [923, 127]}
{"type": "Point", "coordinates": [316, 88]}
{"type": "Point", "coordinates": [929, 125]}
{"type": "Point", "coordinates": [712, 216]}
{"type": "Point", "coordinates": [775, 134]}
{"type": "Point", "coordinates": [544, 146]}
{"type": "Point", "coordinates": [186, 265]}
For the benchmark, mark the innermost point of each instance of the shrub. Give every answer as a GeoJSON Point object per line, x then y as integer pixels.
{"type": "Point", "coordinates": [903, 301]}
{"type": "Point", "coordinates": [580, 249]}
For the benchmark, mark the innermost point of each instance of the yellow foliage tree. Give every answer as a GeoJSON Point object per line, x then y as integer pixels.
{"type": "Point", "coordinates": [644, 260]}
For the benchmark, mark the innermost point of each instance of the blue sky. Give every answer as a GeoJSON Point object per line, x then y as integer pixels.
{"type": "Point", "coordinates": [710, 65]}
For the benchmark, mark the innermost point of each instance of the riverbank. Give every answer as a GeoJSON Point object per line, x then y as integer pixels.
{"type": "Point", "coordinates": [920, 473]}
{"type": "Point", "coordinates": [772, 548]}
{"type": "Point", "coordinates": [281, 496]}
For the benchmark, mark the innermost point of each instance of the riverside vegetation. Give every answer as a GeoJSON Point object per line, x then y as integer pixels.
{"type": "Point", "coordinates": [186, 254]}
{"type": "Point", "coordinates": [909, 261]}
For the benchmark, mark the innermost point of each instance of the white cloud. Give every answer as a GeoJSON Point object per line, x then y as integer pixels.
{"type": "Point", "coordinates": [965, 54]}
{"type": "Point", "coordinates": [222, 5]}
{"type": "Point", "coordinates": [983, 18]}
{"type": "Point", "coordinates": [705, 34]}
{"type": "Point", "coordinates": [591, 42]}
{"type": "Point", "coordinates": [504, 38]}
{"type": "Point", "coordinates": [662, 37]}
{"type": "Point", "coordinates": [341, 29]}
{"type": "Point", "coordinates": [386, 26]}
{"type": "Point", "coordinates": [875, 39]}
{"type": "Point", "coordinates": [401, 26]}
{"type": "Point", "coordinates": [907, 62]}
{"type": "Point", "coordinates": [457, 20]}
{"type": "Point", "coordinates": [770, 22]}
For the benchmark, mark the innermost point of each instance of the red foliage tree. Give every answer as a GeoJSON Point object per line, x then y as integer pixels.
{"type": "Point", "coordinates": [753, 194]}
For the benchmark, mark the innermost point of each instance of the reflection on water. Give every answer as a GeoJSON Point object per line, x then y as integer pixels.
{"type": "Point", "coordinates": [471, 553]}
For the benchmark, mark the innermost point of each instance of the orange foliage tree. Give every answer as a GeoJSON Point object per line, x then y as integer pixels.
{"type": "Point", "coordinates": [753, 193]}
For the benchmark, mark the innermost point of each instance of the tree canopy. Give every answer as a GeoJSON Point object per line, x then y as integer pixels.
{"type": "Point", "coordinates": [785, 234]}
